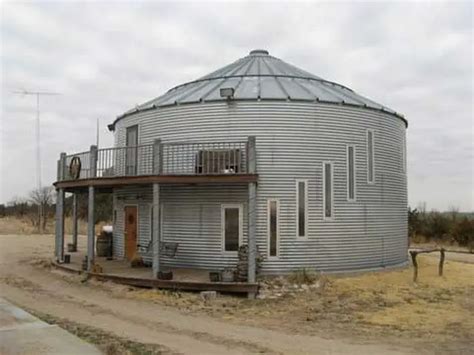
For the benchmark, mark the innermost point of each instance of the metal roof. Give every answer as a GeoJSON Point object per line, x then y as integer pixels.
{"type": "Point", "coordinates": [260, 76]}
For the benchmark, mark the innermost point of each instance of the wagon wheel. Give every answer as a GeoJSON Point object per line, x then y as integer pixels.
{"type": "Point", "coordinates": [75, 168]}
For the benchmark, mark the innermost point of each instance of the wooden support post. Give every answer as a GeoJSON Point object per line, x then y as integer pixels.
{"type": "Point", "coordinates": [90, 230]}
{"type": "Point", "coordinates": [441, 261]}
{"type": "Point", "coordinates": [60, 222]}
{"type": "Point", "coordinates": [74, 221]}
{"type": "Point", "coordinates": [59, 237]}
{"type": "Point", "coordinates": [156, 230]}
{"type": "Point", "coordinates": [157, 157]}
{"type": "Point", "coordinates": [415, 265]}
{"type": "Point", "coordinates": [252, 212]}
{"type": "Point", "coordinates": [56, 218]}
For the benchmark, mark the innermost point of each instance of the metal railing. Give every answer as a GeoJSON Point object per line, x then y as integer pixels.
{"type": "Point", "coordinates": [215, 158]}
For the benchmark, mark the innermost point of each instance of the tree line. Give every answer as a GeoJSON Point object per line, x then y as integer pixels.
{"type": "Point", "coordinates": [40, 207]}
{"type": "Point", "coordinates": [441, 227]}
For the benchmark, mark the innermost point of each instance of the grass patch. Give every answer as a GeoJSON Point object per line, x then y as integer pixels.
{"type": "Point", "coordinates": [107, 342]}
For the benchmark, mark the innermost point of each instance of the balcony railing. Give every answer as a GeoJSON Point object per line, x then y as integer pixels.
{"type": "Point", "coordinates": [216, 158]}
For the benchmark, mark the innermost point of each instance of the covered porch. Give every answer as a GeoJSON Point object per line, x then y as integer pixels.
{"type": "Point", "coordinates": [184, 279]}
{"type": "Point", "coordinates": [174, 166]}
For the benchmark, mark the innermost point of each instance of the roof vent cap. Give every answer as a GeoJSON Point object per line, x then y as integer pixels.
{"type": "Point", "coordinates": [259, 52]}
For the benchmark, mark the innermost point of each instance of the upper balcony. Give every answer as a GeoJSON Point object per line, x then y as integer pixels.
{"type": "Point", "coordinates": [210, 162]}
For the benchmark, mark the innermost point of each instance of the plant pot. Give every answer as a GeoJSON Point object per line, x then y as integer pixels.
{"type": "Point", "coordinates": [215, 276]}
{"type": "Point", "coordinates": [227, 276]}
{"type": "Point", "coordinates": [67, 258]}
{"type": "Point", "coordinates": [165, 275]}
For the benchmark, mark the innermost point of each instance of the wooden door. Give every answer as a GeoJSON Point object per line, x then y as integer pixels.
{"type": "Point", "coordinates": [130, 228]}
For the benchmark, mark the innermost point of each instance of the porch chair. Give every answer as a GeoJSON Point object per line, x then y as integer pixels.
{"type": "Point", "coordinates": [166, 248]}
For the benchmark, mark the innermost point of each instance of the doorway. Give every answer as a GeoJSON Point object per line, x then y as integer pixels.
{"type": "Point", "coordinates": [130, 231]}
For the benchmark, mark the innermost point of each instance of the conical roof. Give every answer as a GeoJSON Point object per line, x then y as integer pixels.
{"type": "Point", "coordinates": [260, 76]}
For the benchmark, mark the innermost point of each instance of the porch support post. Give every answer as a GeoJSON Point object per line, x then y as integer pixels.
{"type": "Point", "coordinates": [156, 230]}
{"type": "Point", "coordinates": [59, 245]}
{"type": "Point", "coordinates": [90, 209]}
{"type": "Point", "coordinates": [74, 221]}
{"type": "Point", "coordinates": [252, 212]}
{"type": "Point", "coordinates": [60, 225]}
{"type": "Point", "coordinates": [90, 230]}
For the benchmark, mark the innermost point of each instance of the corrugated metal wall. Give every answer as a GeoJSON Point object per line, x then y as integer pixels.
{"type": "Point", "coordinates": [293, 139]}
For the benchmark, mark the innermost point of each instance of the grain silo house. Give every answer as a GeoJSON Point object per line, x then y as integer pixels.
{"type": "Point", "coordinates": [304, 171]}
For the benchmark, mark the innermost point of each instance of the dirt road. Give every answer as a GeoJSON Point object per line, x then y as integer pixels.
{"type": "Point", "coordinates": [64, 296]}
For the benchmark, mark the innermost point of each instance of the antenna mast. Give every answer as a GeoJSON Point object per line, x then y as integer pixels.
{"type": "Point", "coordinates": [38, 143]}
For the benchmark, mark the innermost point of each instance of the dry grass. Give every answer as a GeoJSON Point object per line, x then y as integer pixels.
{"type": "Point", "coordinates": [16, 225]}
{"type": "Point", "coordinates": [370, 305]}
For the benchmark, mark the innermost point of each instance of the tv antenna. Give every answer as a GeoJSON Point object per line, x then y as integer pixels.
{"type": "Point", "coordinates": [38, 94]}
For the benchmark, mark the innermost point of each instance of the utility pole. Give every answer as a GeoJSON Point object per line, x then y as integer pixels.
{"type": "Point", "coordinates": [38, 94]}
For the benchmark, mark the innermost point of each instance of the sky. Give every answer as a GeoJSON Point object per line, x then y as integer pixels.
{"type": "Point", "coordinates": [105, 57]}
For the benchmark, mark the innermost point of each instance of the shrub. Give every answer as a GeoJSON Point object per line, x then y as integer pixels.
{"type": "Point", "coordinates": [303, 277]}
{"type": "Point", "coordinates": [463, 232]}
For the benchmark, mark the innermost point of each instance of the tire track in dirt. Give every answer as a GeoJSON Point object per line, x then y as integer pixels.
{"type": "Point", "coordinates": [23, 284]}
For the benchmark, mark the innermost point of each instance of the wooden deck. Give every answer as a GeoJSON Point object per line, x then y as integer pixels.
{"type": "Point", "coordinates": [184, 279]}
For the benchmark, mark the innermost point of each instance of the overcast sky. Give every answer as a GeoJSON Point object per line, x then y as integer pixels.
{"type": "Point", "coordinates": [106, 57]}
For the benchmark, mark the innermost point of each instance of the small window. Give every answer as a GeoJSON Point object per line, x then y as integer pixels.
{"type": "Point", "coordinates": [218, 161]}
{"type": "Point", "coordinates": [351, 173]}
{"type": "Point", "coordinates": [370, 157]}
{"type": "Point", "coordinates": [302, 207]}
{"type": "Point", "coordinates": [231, 227]}
{"type": "Point", "coordinates": [273, 215]}
{"type": "Point", "coordinates": [328, 190]}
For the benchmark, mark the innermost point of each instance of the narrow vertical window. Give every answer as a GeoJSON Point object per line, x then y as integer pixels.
{"type": "Point", "coordinates": [351, 176]}
{"type": "Point", "coordinates": [301, 207]}
{"type": "Point", "coordinates": [370, 156]}
{"type": "Point", "coordinates": [231, 227]}
{"type": "Point", "coordinates": [273, 227]}
{"type": "Point", "coordinates": [328, 190]}
{"type": "Point", "coordinates": [131, 156]}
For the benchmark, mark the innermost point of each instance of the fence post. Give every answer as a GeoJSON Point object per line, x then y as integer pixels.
{"type": "Point", "coordinates": [415, 265]}
{"type": "Point", "coordinates": [93, 161]}
{"type": "Point", "coordinates": [157, 156]}
{"type": "Point", "coordinates": [441, 261]}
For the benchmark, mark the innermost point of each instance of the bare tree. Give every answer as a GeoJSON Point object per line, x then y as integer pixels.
{"type": "Point", "coordinates": [454, 212]}
{"type": "Point", "coordinates": [421, 208]}
{"type": "Point", "coordinates": [43, 199]}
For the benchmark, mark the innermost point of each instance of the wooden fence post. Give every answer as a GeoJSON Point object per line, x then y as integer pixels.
{"type": "Point", "coordinates": [415, 265]}
{"type": "Point", "coordinates": [441, 262]}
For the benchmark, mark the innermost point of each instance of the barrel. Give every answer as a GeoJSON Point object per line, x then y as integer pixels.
{"type": "Point", "coordinates": [103, 247]}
